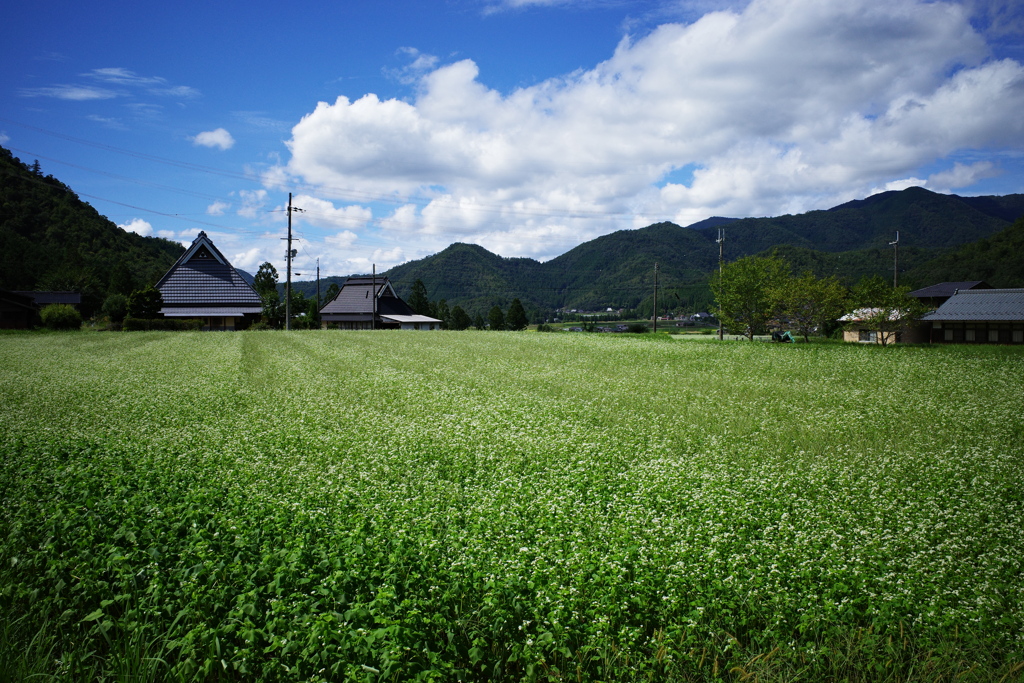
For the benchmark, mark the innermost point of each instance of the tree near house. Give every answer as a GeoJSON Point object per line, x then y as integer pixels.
{"type": "Point", "coordinates": [884, 309]}
{"type": "Point", "coordinates": [516, 319]}
{"type": "Point", "coordinates": [460, 320]}
{"type": "Point", "coordinates": [418, 300]}
{"type": "Point", "coordinates": [145, 303]}
{"type": "Point", "coordinates": [749, 292]}
{"type": "Point", "coordinates": [811, 303]}
{"type": "Point", "coordinates": [496, 319]}
{"type": "Point", "coordinates": [265, 284]}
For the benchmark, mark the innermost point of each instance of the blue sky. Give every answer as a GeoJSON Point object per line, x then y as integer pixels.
{"type": "Point", "coordinates": [526, 126]}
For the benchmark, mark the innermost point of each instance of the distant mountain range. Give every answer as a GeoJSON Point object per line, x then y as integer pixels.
{"type": "Point", "coordinates": [49, 239]}
{"type": "Point", "coordinates": [617, 270]}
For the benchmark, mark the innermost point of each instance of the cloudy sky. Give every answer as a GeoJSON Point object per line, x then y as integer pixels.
{"type": "Point", "coordinates": [526, 126]}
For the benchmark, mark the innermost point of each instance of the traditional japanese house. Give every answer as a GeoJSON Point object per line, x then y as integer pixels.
{"type": "Point", "coordinates": [203, 284]}
{"type": "Point", "coordinates": [368, 303]}
{"type": "Point", "coordinates": [979, 316]}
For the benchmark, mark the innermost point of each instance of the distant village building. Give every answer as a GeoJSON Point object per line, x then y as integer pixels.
{"type": "Point", "coordinates": [73, 299]}
{"type": "Point", "coordinates": [368, 303]}
{"type": "Point", "coordinates": [203, 284]}
{"type": "Point", "coordinates": [979, 316]}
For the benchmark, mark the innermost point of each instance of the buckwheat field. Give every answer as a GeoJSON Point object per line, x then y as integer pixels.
{"type": "Point", "coordinates": [329, 506]}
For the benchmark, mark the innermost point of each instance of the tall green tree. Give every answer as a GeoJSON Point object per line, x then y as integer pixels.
{"type": "Point", "coordinates": [444, 314]}
{"type": "Point", "coordinates": [749, 292]}
{"type": "Point", "coordinates": [460, 320]}
{"type": "Point", "coordinates": [266, 279]}
{"type": "Point", "coordinates": [145, 303]}
{"type": "Point", "coordinates": [516, 319]}
{"type": "Point", "coordinates": [810, 303]}
{"type": "Point", "coordinates": [332, 294]}
{"type": "Point", "coordinates": [478, 322]}
{"type": "Point", "coordinates": [418, 299]}
{"type": "Point", "coordinates": [496, 319]}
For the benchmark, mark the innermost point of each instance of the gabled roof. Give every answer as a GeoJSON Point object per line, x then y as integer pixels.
{"type": "Point", "coordinates": [354, 303]}
{"type": "Point", "coordinates": [356, 296]}
{"type": "Point", "coordinates": [976, 305]}
{"type": "Point", "coordinates": [203, 277]}
{"type": "Point", "coordinates": [948, 289]}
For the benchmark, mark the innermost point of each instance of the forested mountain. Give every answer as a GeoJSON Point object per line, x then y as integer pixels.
{"type": "Point", "coordinates": [52, 240]}
{"type": "Point", "coordinates": [998, 260]}
{"type": "Point", "coordinates": [617, 270]}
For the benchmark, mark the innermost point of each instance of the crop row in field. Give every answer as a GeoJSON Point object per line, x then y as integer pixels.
{"type": "Point", "coordinates": [353, 506]}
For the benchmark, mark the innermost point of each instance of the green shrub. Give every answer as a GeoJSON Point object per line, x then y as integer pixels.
{"type": "Point", "coordinates": [637, 328]}
{"type": "Point", "coordinates": [61, 317]}
{"type": "Point", "coordinates": [261, 326]}
{"type": "Point", "coordinates": [115, 307]}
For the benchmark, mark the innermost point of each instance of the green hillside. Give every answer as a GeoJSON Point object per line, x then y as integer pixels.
{"type": "Point", "coordinates": [998, 260]}
{"type": "Point", "coordinates": [52, 240]}
{"type": "Point", "coordinates": [617, 270]}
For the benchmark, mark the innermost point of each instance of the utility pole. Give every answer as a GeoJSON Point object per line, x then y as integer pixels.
{"type": "Point", "coordinates": [721, 261]}
{"type": "Point", "coordinates": [896, 261]}
{"type": "Point", "coordinates": [655, 297]}
{"type": "Point", "coordinates": [373, 316]}
{"type": "Point", "coordinates": [288, 255]}
{"type": "Point", "coordinates": [318, 302]}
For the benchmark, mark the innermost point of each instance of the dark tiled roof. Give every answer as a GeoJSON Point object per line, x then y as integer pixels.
{"type": "Point", "coordinates": [355, 297]}
{"type": "Point", "coordinates": [947, 289]}
{"type": "Point", "coordinates": [45, 298]}
{"type": "Point", "coordinates": [981, 305]}
{"type": "Point", "coordinates": [203, 277]}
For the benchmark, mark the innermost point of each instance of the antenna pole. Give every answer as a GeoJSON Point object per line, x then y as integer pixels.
{"type": "Point", "coordinates": [896, 261]}
{"type": "Point", "coordinates": [721, 261]}
{"type": "Point", "coordinates": [655, 297]}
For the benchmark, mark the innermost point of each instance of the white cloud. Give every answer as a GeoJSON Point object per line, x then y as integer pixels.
{"type": "Point", "coordinates": [253, 202]}
{"type": "Point", "coordinates": [140, 227]}
{"type": "Point", "coordinates": [219, 138]}
{"type": "Point", "coordinates": [79, 93]}
{"type": "Point", "coordinates": [322, 213]}
{"type": "Point", "coordinates": [218, 208]}
{"type": "Point", "coordinates": [248, 260]}
{"type": "Point", "coordinates": [4, 138]}
{"type": "Point", "coordinates": [344, 239]}
{"type": "Point", "coordinates": [962, 175]}
{"type": "Point", "coordinates": [781, 106]}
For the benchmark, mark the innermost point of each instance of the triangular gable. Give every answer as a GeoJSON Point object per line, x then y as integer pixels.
{"type": "Point", "coordinates": [202, 276]}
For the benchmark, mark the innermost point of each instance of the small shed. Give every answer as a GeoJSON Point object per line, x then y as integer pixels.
{"type": "Point", "coordinates": [203, 284]}
{"type": "Point", "coordinates": [370, 303]}
{"type": "Point", "coordinates": [979, 316]}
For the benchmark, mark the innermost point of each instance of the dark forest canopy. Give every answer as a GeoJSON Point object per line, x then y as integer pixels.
{"type": "Point", "coordinates": [52, 240]}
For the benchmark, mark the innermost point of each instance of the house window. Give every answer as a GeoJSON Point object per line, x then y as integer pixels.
{"type": "Point", "coordinates": [868, 336]}
{"type": "Point", "coordinates": [993, 335]}
{"type": "Point", "coordinates": [947, 335]}
{"type": "Point", "coordinates": [968, 335]}
{"type": "Point", "coordinates": [1018, 336]}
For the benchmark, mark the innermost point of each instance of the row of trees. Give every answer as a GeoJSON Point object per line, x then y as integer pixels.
{"type": "Point", "coordinates": [456, 318]}
{"type": "Point", "coordinates": [755, 293]}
